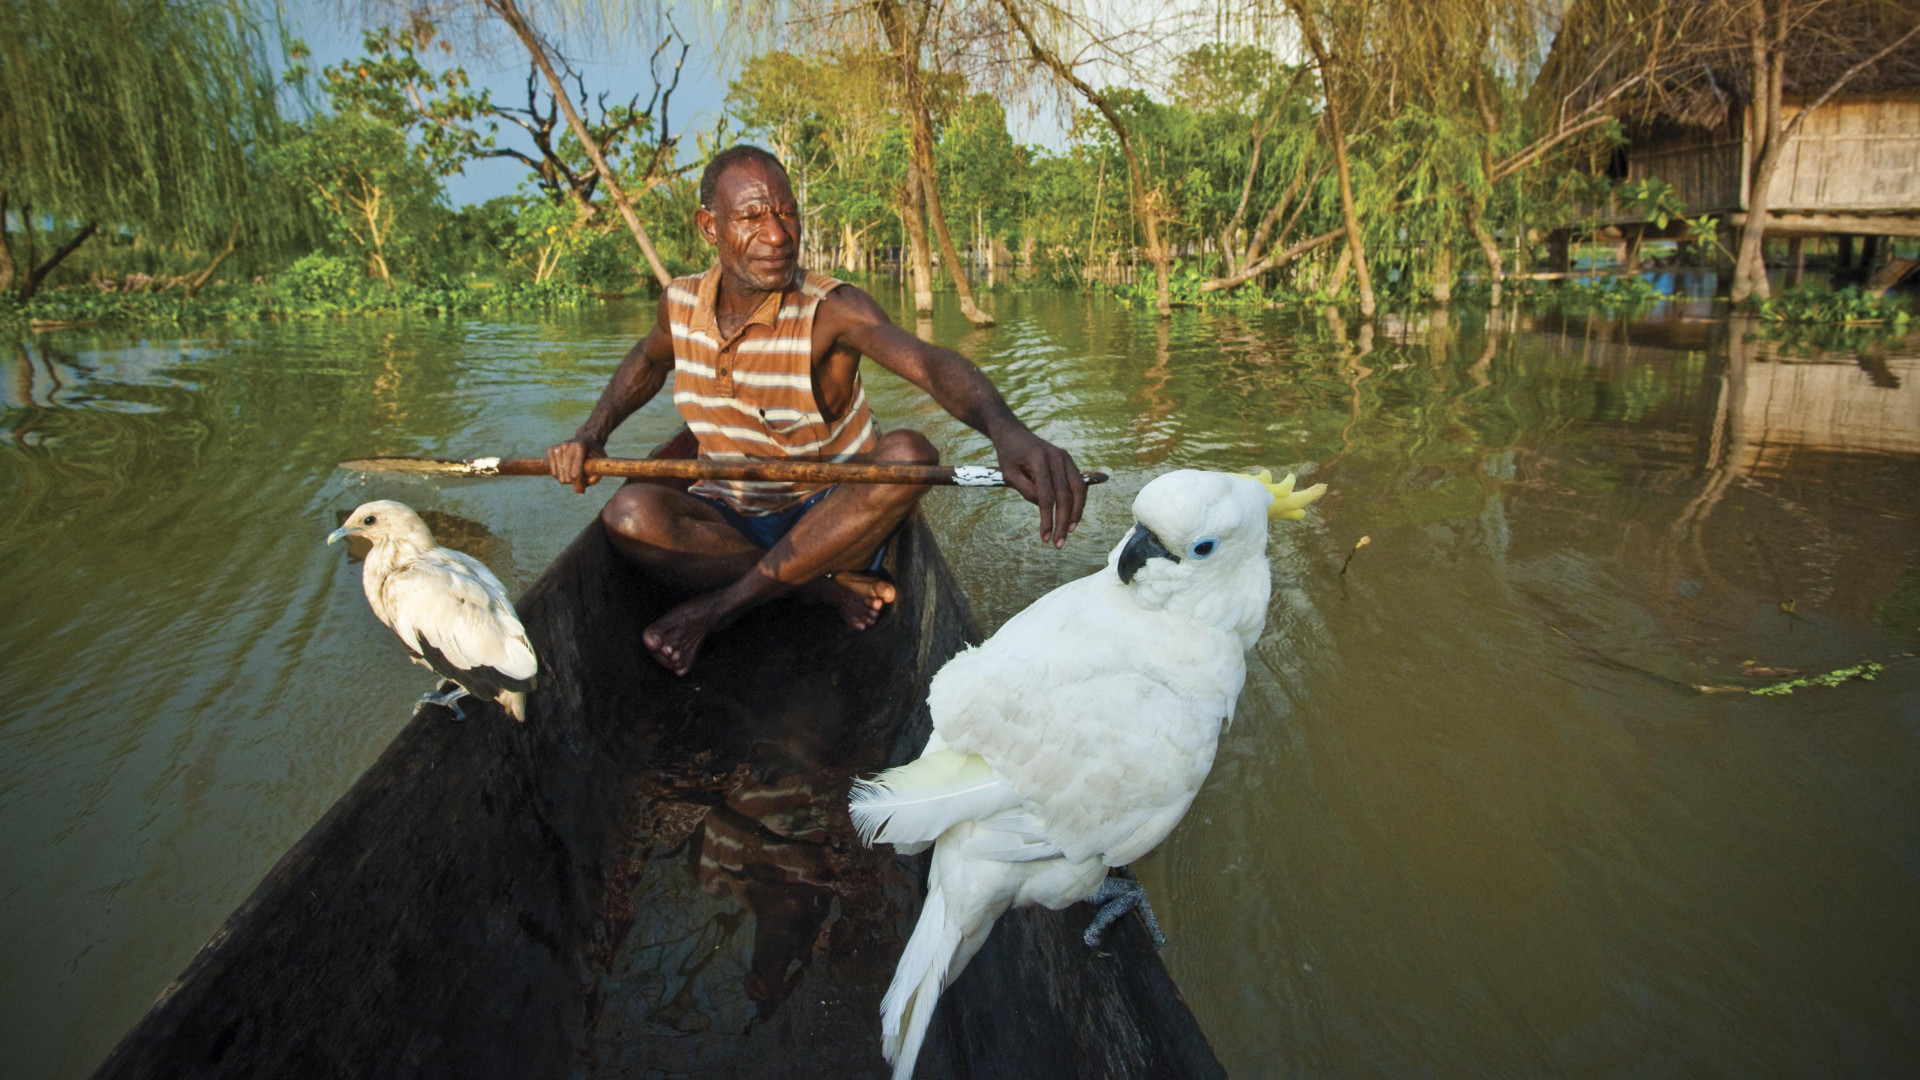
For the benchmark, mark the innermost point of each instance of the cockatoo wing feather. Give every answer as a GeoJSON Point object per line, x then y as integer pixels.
{"type": "Point", "coordinates": [925, 797]}
{"type": "Point", "coordinates": [1010, 836]}
{"type": "Point", "coordinates": [1098, 756]}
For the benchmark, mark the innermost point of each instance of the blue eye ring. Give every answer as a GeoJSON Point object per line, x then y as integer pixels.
{"type": "Point", "coordinates": [1202, 547]}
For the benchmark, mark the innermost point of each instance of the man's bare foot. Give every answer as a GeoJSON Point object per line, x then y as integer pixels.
{"type": "Point", "coordinates": [859, 598]}
{"type": "Point", "coordinates": [675, 638]}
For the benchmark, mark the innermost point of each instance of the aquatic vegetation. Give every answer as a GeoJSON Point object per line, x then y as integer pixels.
{"type": "Point", "coordinates": [309, 293]}
{"type": "Point", "coordinates": [1609, 293]}
{"type": "Point", "coordinates": [1865, 672]}
{"type": "Point", "coordinates": [1851, 305]}
{"type": "Point", "coordinates": [1815, 339]}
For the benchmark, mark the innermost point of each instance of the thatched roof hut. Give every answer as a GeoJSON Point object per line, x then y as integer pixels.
{"type": "Point", "coordinates": [1852, 168]}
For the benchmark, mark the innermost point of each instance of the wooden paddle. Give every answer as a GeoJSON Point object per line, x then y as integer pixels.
{"type": "Point", "coordinates": [803, 472]}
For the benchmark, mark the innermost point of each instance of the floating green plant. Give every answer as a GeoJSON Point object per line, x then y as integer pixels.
{"type": "Point", "coordinates": [1864, 672]}
{"type": "Point", "coordinates": [1851, 305]}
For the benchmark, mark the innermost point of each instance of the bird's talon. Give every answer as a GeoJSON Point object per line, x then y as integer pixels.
{"type": "Point", "coordinates": [1116, 896]}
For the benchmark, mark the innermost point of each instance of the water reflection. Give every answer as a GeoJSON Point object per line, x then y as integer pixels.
{"type": "Point", "coordinates": [1474, 817]}
{"type": "Point", "coordinates": [748, 929]}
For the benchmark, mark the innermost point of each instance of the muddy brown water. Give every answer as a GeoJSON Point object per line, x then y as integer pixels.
{"type": "Point", "coordinates": [1475, 816]}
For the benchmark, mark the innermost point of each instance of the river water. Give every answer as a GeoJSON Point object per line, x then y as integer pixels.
{"type": "Point", "coordinates": [1475, 816]}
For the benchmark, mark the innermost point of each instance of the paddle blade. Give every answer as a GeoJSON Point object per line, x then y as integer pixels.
{"type": "Point", "coordinates": [413, 466]}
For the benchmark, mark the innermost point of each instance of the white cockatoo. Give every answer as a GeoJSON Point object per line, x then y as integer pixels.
{"type": "Point", "coordinates": [448, 609]}
{"type": "Point", "coordinates": [1074, 739]}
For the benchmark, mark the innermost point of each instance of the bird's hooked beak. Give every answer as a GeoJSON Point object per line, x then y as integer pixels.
{"type": "Point", "coordinates": [1141, 546]}
{"type": "Point", "coordinates": [340, 533]}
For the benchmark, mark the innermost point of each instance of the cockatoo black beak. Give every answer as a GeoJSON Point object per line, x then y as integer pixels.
{"type": "Point", "coordinates": [1141, 546]}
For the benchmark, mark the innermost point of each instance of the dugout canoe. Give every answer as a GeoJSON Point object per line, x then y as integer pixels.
{"type": "Point", "coordinates": [652, 877]}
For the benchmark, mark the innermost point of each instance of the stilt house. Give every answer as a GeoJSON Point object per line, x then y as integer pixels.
{"type": "Point", "coordinates": [1852, 170]}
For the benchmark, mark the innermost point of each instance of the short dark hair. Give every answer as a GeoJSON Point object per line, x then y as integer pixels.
{"type": "Point", "coordinates": [727, 159]}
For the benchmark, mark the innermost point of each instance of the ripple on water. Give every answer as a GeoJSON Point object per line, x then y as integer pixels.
{"type": "Point", "coordinates": [1471, 816]}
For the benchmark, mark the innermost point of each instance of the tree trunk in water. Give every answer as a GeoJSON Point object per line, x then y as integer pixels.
{"type": "Point", "coordinates": [6, 251]}
{"type": "Point", "coordinates": [1341, 164]}
{"type": "Point", "coordinates": [915, 217]}
{"type": "Point", "coordinates": [1099, 192]}
{"type": "Point", "coordinates": [1766, 68]}
{"type": "Point", "coordinates": [904, 39]}
{"type": "Point", "coordinates": [1750, 265]}
{"type": "Point", "coordinates": [1355, 244]}
{"type": "Point", "coordinates": [948, 252]}
{"type": "Point", "coordinates": [1271, 261]}
{"type": "Point", "coordinates": [1495, 271]}
{"type": "Point", "coordinates": [1341, 269]}
{"type": "Point", "coordinates": [200, 280]}
{"type": "Point", "coordinates": [509, 13]}
{"type": "Point", "coordinates": [1443, 275]}
{"type": "Point", "coordinates": [38, 274]}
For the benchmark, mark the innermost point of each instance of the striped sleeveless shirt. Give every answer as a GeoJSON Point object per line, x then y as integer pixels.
{"type": "Point", "coordinates": [751, 396]}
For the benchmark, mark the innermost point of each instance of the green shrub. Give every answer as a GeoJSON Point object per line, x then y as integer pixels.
{"type": "Point", "coordinates": [316, 280]}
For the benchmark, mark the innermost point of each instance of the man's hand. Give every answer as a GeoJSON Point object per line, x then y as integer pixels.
{"type": "Point", "coordinates": [567, 462]}
{"type": "Point", "coordinates": [1047, 476]}
{"type": "Point", "coordinates": [1034, 467]}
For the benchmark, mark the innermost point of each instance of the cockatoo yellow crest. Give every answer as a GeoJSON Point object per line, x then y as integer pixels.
{"type": "Point", "coordinates": [1287, 503]}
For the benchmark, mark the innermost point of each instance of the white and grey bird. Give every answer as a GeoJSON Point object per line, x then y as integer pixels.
{"type": "Point", "coordinates": [1074, 739]}
{"type": "Point", "coordinates": [447, 608]}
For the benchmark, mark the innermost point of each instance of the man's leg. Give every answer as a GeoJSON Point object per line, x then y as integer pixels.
{"type": "Point", "coordinates": [679, 538]}
{"type": "Point", "coordinates": [838, 536]}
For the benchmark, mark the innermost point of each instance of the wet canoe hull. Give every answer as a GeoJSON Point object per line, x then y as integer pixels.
{"type": "Point", "coordinates": [497, 899]}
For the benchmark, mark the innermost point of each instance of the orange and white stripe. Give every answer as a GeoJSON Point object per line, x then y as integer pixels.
{"type": "Point", "coordinates": [752, 396]}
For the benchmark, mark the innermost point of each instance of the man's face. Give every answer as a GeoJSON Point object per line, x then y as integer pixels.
{"type": "Point", "coordinates": [755, 224]}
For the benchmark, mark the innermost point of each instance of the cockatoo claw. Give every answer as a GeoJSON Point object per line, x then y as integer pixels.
{"type": "Point", "coordinates": [1118, 895]}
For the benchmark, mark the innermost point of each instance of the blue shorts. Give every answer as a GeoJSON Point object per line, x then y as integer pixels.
{"type": "Point", "coordinates": [766, 530]}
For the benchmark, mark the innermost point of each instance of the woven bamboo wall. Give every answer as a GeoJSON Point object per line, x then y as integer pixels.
{"type": "Point", "coordinates": [1853, 155]}
{"type": "Point", "coordinates": [1705, 174]}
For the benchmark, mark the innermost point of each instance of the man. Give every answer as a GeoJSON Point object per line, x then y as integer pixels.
{"type": "Point", "coordinates": [766, 363]}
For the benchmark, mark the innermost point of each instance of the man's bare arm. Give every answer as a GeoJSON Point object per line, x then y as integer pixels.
{"type": "Point", "coordinates": [640, 376]}
{"type": "Point", "coordinates": [1037, 469]}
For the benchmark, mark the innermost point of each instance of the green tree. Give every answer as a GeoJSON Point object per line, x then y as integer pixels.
{"type": "Point", "coordinates": [984, 171]}
{"type": "Point", "coordinates": [380, 199]}
{"type": "Point", "coordinates": [378, 190]}
{"type": "Point", "coordinates": [835, 122]}
{"type": "Point", "coordinates": [147, 115]}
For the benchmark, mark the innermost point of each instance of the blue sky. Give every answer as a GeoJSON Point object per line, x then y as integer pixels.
{"type": "Point", "coordinates": [617, 65]}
